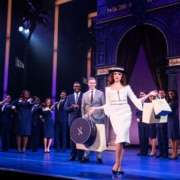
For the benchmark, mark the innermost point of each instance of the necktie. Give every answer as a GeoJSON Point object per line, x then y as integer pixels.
{"type": "Point", "coordinates": [76, 98]}
{"type": "Point", "coordinates": [91, 97]}
{"type": "Point", "coordinates": [60, 102]}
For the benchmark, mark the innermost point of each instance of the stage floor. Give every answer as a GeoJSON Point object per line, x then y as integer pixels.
{"type": "Point", "coordinates": [57, 165]}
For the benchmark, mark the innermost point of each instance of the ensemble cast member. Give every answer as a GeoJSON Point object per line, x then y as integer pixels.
{"type": "Point", "coordinates": [61, 123]}
{"type": "Point", "coordinates": [152, 132]}
{"type": "Point", "coordinates": [36, 124]}
{"type": "Point", "coordinates": [162, 136]}
{"type": "Point", "coordinates": [23, 121]}
{"type": "Point", "coordinates": [92, 98]}
{"type": "Point", "coordinates": [6, 118]}
{"type": "Point", "coordinates": [143, 130]}
{"type": "Point", "coordinates": [173, 122]}
{"type": "Point", "coordinates": [48, 124]}
{"type": "Point", "coordinates": [73, 108]}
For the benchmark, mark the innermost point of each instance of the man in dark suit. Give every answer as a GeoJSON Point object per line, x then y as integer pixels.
{"type": "Point", "coordinates": [92, 98]}
{"type": "Point", "coordinates": [143, 130]}
{"type": "Point", "coordinates": [6, 114]}
{"type": "Point", "coordinates": [61, 123]}
{"type": "Point", "coordinates": [162, 133]}
{"type": "Point", "coordinates": [36, 124]}
{"type": "Point", "coordinates": [73, 108]}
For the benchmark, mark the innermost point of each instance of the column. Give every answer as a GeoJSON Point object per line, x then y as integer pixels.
{"type": "Point", "coordinates": [172, 73]}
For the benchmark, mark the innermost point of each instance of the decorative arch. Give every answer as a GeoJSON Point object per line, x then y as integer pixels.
{"type": "Point", "coordinates": [127, 45]}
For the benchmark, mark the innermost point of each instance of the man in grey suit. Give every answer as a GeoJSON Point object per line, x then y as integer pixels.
{"type": "Point", "coordinates": [93, 98]}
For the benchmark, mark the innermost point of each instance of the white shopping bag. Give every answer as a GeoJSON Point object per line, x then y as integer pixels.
{"type": "Point", "coordinates": [149, 116]}
{"type": "Point", "coordinates": [161, 107]}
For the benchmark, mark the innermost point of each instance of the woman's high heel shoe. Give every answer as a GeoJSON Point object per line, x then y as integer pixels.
{"type": "Point", "coordinates": [121, 172]}
{"type": "Point", "coordinates": [114, 172]}
{"type": "Point", "coordinates": [173, 158]}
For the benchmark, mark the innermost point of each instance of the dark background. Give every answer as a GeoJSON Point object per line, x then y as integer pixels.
{"type": "Point", "coordinates": [72, 49]}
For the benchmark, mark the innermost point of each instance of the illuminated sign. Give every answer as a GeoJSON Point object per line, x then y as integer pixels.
{"type": "Point", "coordinates": [174, 62]}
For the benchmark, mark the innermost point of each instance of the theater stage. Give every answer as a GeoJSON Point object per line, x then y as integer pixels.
{"type": "Point", "coordinates": [56, 166]}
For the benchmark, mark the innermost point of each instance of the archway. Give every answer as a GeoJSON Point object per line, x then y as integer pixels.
{"type": "Point", "coordinates": [155, 48]}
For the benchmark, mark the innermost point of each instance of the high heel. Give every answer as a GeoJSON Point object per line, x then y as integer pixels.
{"type": "Point", "coordinates": [114, 172]}
{"type": "Point", "coordinates": [121, 172]}
{"type": "Point", "coordinates": [23, 150]}
{"type": "Point", "coordinates": [19, 150]}
{"type": "Point", "coordinates": [173, 158]}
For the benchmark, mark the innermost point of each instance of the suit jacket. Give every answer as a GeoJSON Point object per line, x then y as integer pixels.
{"type": "Point", "coordinates": [98, 116]}
{"type": "Point", "coordinates": [73, 113]}
{"type": "Point", "coordinates": [36, 112]}
{"type": "Point", "coordinates": [60, 113]}
{"type": "Point", "coordinates": [6, 114]}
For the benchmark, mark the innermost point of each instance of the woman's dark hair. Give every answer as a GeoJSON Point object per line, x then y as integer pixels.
{"type": "Point", "coordinates": [22, 94]}
{"type": "Point", "coordinates": [111, 79]}
{"type": "Point", "coordinates": [45, 103]}
{"type": "Point", "coordinates": [175, 97]}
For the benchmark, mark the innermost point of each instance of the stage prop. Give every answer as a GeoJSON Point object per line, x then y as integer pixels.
{"type": "Point", "coordinates": [149, 115]}
{"type": "Point", "coordinates": [87, 135]}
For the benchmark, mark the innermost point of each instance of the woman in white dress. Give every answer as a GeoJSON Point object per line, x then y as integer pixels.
{"type": "Point", "coordinates": [118, 110]}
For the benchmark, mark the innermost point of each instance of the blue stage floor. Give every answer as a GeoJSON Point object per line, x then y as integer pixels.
{"type": "Point", "coordinates": [56, 165]}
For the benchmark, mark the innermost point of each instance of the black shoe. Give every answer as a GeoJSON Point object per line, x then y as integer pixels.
{"type": "Point", "coordinates": [4, 150]}
{"type": "Point", "coordinates": [173, 158]}
{"type": "Point", "coordinates": [159, 156]}
{"type": "Point", "coordinates": [121, 172]}
{"type": "Point", "coordinates": [152, 154]}
{"type": "Point", "coordinates": [57, 150]}
{"type": "Point", "coordinates": [99, 161]}
{"type": "Point", "coordinates": [79, 159]}
{"type": "Point", "coordinates": [164, 156]}
{"type": "Point", "coordinates": [115, 173]}
{"type": "Point", "coordinates": [72, 159]}
{"type": "Point", "coordinates": [85, 160]}
{"type": "Point", "coordinates": [142, 154]}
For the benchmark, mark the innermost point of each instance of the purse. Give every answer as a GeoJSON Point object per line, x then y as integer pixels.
{"type": "Point", "coordinates": [161, 107]}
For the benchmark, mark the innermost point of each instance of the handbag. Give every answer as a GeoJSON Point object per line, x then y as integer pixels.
{"type": "Point", "coordinates": [149, 116]}
{"type": "Point", "coordinates": [161, 107]}
{"type": "Point", "coordinates": [100, 140]}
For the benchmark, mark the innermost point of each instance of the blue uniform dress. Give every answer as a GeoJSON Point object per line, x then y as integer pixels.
{"type": "Point", "coordinates": [173, 121]}
{"type": "Point", "coordinates": [23, 122]}
{"type": "Point", "coordinates": [48, 124]}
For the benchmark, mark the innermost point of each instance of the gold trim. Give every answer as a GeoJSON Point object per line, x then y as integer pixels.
{"type": "Point", "coordinates": [103, 71]}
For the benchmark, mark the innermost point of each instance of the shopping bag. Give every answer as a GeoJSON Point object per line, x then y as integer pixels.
{"type": "Point", "coordinates": [161, 107]}
{"type": "Point", "coordinates": [148, 115]}
{"type": "Point", "coordinates": [99, 143]}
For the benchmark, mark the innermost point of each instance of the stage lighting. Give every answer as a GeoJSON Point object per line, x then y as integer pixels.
{"type": "Point", "coordinates": [26, 31]}
{"type": "Point", "coordinates": [21, 28]}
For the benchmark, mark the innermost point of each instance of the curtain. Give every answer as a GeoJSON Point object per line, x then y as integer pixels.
{"type": "Point", "coordinates": [155, 49]}
{"type": "Point", "coordinates": [128, 51]}
{"type": "Point", "coordinates": [155, 52]}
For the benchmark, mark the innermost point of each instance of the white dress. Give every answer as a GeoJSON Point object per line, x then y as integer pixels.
{"type": "Point", "coordinates": [119, 111]}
